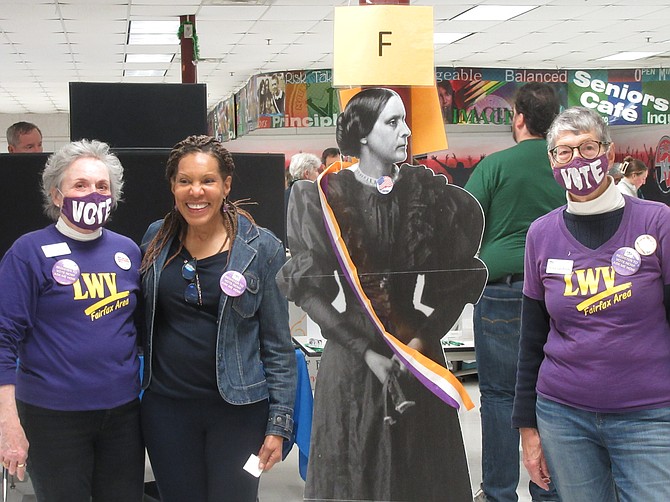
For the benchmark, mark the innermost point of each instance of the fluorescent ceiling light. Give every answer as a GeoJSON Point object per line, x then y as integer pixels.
{"type": "Point", "coordinates": [448, 38]}
{"type": "Point", "coordinates": [153, 33]}
{"type": "Point", "coordinates": [493, 12]}
{"type": "Point", "coordinates": [154, 27]}
{"type": "Point", "coordinates": [144, 73]}
{"type": "Point", "coordinates": [149, 58]}
{"type": "Point", "coordinates": [628, 56]}
{"type": "Point", "coordinates": [153, 39]}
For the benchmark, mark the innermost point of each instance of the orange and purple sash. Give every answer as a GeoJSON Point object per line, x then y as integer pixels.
{"type": "Point", "coordinates": [436, 378]}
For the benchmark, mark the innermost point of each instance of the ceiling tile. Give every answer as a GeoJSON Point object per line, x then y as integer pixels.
{"type": "Point", "coordinates": [41, 52]}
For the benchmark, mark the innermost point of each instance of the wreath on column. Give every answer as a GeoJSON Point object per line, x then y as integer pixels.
{"type": "Point", "coordinates": [196, 47]}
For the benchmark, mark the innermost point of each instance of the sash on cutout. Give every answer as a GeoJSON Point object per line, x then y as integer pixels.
{"type": "Point", "coordinates": [436, 378]}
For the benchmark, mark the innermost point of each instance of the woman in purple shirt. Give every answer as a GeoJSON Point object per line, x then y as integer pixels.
{"type": "Point", "coordinates": [593, 383]}
{"type": "Point", "coordinates": [69, 410]}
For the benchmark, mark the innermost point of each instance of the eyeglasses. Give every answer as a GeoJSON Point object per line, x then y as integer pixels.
{"type": "Point", "coordinates": [192, 293]}
{"type": "Point", "coordinates": [589, 150]}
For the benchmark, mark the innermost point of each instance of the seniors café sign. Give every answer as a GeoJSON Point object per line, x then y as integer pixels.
{"type": "Point", "coordinates": [623, 97]}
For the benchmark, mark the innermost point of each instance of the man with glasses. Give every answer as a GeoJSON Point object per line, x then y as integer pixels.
{"type": "Point", "coordinates": [514, 187]}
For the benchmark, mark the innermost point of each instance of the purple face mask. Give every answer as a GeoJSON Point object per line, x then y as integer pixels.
{"type": "Point", "coordinates": [581, 176]}
{"type": "Point", "coordinates": [89, 212]}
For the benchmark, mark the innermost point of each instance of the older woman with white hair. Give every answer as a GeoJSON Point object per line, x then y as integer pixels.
{"type": "Point", "coordinates": [593, 384]}
{"type": "Point", "coordinates": [304, 166]}
{"type": "Point", "coordinates": [69, 369]}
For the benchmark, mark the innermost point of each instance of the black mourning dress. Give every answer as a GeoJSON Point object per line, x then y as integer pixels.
{"type": "Point", "coordinates": [422, 231]}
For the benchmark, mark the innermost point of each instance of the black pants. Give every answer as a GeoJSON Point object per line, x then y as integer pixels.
{"type": "Point", "coordinates": [76, 455]}
{"type": "Point", "coordinates": [198, 447]}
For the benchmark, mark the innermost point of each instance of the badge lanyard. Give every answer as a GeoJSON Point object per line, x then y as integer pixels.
{"type": "Point", "coordinates": [436, 378]}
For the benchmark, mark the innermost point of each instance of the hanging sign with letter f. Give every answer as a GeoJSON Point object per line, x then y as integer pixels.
{"type": "Point", "coordinates": [383, 45]}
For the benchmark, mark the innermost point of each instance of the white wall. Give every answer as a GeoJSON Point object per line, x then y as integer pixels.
{"type": "Point", "coordinates": [287, 141]}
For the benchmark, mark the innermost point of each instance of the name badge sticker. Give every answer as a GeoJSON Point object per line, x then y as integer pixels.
{"type": "Point", "coordinates": [59, 249]}
{"type": "Point", "coordinates": [561, 267]}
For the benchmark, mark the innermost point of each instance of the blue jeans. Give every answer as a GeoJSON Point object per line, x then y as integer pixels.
{"type": "Point", "coordinates": [78, 455]}
{"type": "Point", "coordinates": [599, 456]}
{"type": "Point", "coordinates": [497, 327]}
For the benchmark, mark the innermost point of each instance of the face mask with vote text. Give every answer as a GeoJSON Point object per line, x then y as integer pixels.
{"type": "Point", "coordinates": [582, 176]}
{"type": "Point", "coordinates": [89, 212]}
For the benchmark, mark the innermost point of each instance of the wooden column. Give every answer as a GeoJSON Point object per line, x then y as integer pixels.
{"type": "Point", "coordinates": [188, 68]}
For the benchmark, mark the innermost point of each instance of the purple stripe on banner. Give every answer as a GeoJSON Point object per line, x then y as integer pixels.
{"type": "Point", "coordinates": [429, 384]}
{"type": "Point", "coordinates": [360, 295]}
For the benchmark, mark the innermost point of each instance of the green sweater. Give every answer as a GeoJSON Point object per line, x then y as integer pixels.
{"type": "Point", "coordinates": [514, 186]}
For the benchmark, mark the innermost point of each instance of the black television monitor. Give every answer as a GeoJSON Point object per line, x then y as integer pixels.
{"type": "Point", "coordinates": [137, 115]}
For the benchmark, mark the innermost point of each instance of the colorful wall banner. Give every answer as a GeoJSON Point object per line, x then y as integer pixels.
{"type": "Point", "coordinates": [483, 96]}
{"type": "Point", "coordinates": [661, 165]}
{"type": "Point", "coordinates": [307, 100]}
{"type": "Point", "coordinates": [221, 120]}
{"type": "Point", "coordinates": [388, 45]}
{"type": "Point", "coordinates": [301, 98]}
{"type": "Point", "coordinates": [623, 97]}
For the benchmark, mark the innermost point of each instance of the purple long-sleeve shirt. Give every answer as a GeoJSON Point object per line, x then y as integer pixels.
{"type": "Point", "coordinates": [608, 331]}
{"type": "Point", "coordinates": [75, 341]}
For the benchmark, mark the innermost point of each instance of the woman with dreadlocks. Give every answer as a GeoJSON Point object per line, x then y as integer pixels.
{"type": "Point", "coordinates": [219, 372]}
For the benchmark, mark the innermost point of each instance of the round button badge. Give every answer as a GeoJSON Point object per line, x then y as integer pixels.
{"type": "Point", "coordinates": [65, 272]}
{"type": "Point", "coordinates": [233, 283]}
{"type": "Point", "coordinates": [122, 260]}
{"type": "Point", "coordinates": [384, 184]}
{"type": "Point", "coordinates": [645, 244]}
{"type": "Point", "coordinates": [626, 261]}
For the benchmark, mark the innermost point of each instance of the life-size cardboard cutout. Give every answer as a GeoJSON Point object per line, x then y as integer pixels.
{"type": "Point", "coordinates": [399, 243]}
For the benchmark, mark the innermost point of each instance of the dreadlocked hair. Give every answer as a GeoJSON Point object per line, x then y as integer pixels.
{"type": "Point", "coordinates": [174, 224]}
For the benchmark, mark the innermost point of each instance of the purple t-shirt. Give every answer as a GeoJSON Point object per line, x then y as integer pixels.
{"type": "Point", "coordinates": [73, 333]}
{"type": "Point", "coordinates": [608, 347]}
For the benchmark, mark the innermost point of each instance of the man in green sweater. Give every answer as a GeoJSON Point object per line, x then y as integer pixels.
{"type": "Point", "coordinates": [514, 187]}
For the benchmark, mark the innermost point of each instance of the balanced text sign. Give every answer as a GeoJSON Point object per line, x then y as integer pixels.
{"type": "Point", "coordinates": [383, 45]}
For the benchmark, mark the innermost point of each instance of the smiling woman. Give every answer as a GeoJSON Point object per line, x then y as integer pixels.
{"type": "Point", "coordinates": [220, 377]}
{"type": "Point", "coordinates": [199, 194]}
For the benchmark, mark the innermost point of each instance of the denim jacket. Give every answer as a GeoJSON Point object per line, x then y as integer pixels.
{"type": "Point", "coordinates": [254, 354]}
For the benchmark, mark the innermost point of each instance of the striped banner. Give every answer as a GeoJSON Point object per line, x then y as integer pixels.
{"type": "Point", "coordinates": [436, 378]}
